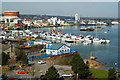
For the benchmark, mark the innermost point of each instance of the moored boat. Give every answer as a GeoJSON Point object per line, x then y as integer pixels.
{"type": "Point", "coordinates": [69, 41]}
{"type": "Point", "coordinates": [87, 29]}
{"type": "Point", "coordinates": [96, 41]}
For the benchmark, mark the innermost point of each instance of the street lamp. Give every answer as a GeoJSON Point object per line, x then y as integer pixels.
{"type": "Point", "coordinates": [77, 76]}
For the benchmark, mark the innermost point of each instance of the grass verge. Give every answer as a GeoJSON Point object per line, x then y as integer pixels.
{"type": "Point", "coordinates": [99, 73]}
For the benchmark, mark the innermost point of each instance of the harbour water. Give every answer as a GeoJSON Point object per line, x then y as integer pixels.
{"type": "Point", "coordinates": [105, 53]}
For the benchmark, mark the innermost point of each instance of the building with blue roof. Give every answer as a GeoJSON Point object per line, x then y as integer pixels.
{"type": "Point", "coordinates": [57, 49]}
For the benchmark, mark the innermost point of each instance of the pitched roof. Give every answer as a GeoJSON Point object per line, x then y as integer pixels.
{"type": "Point", "coordinates": [5, 47]}
{"type": "Point", "coordinates": [56, 46]}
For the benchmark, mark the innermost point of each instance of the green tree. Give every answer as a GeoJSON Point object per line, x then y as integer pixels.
{"type": "Point", "coordinates": [51, 74]}
{"type": "Point", "coordinates": [111, 74]}
{"type": "Point", "coordinates": [4, 58]}
{"type": "Point", "coordinates": [24, 59]}
{"type": "Point", "coordinates": [79, 67]}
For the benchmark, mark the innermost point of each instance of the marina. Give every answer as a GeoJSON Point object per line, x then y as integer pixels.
{"type": "Point", "coordinates": [85, 42]}
{"type": "Point", "coordinates": [99, 50]}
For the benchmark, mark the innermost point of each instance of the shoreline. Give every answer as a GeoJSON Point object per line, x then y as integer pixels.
{"type": "Point", "coordinates": [94, 64]}
{"type": "Point", "coordinates": [65, 60]}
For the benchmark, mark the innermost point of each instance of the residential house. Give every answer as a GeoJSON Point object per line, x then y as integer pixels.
{"type": "Point", "coordinates": [10, 50]}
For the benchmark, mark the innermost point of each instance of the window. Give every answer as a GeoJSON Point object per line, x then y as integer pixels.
{"type": "Point", "coordinates": [7, 20]}
{"type": "Point", "coordinates": [11, 20]}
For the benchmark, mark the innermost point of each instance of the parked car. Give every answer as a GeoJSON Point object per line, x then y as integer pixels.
{"type": "Point", "coordinates": [66, 75]}
{"type": "Point", "coordinates": [23, 71]}
{"type": "Point", "coordinates": [41, 62]}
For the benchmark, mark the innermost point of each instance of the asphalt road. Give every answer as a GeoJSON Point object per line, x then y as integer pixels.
{"type": "Point", "coordinates": [40, 69]}
{"type": "Point", "coordinates": [36, 70]}
{"type": "Point", "coordinates": [15, 75]}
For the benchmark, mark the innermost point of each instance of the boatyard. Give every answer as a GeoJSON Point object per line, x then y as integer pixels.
{"type": "Point", "coordinates": [54, 46]}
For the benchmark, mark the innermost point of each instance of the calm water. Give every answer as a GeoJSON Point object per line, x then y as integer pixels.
{"type": "Point", "coordinates": [107, 54]}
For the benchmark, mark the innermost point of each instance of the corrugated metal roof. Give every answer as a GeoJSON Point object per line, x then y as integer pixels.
{"type": "Point", "coordinates": [56, 46]}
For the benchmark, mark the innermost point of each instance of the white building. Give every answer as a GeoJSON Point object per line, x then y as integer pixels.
{"type": "Point", "coordinates": [77, 17]}
{"type": "Point", "coordinates": [10, 19]}
{"type": "Point", "coordinates": [115, 22]}
{"type": "Point", "coordinates": [27, 22]}
{"type": "Point", "coordinates": [53, 20]}
{"type": "Point", "coordinates": [57, 49]}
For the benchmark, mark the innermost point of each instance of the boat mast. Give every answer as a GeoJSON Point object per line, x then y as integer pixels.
{"type": "Point", "coordinates": [90, 54]}
{"type": "Point", "coordinates": [96, 33]}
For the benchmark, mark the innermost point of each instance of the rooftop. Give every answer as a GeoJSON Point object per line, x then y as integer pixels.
{"type": "Point", "coordinates": [56, 46]}
{"type": "Point", "coordinates": [11, 11]}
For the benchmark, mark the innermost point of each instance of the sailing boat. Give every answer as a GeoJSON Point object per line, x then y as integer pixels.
{"type": "Point", "coordinates": [96, 40]}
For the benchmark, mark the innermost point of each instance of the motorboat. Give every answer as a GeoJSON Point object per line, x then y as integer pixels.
{"type": "Point", "coordinates": [87, 29]}
{"type": "Point", "coordinates": [69, 41]}
{"type": "Point", "coordinates": [86, 43]}
{"type": "Point", "coordinates": [96, 41]}
{"type": "Point", "coordinates": [104, 41]}
{"type": "Point", "coordinates": [105, 32]}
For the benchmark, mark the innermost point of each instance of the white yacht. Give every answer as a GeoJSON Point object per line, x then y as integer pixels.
{"type": "Point", "coordinates": [96, 41]}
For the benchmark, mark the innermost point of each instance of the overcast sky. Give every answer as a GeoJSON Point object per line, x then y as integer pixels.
{"type": "Point", "coordinates": [60, 0]}
{"type": "Point", "coordinates": [85, 9]}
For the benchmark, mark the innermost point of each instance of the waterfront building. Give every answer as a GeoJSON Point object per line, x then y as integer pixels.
{"type": "Point", "coordinates": [27, 22]}
{"type": "Point", "coordinates": [77, 18]}
{"type": "Point", "coordinates": [11, 13]}
{"type": "Point", "coordinates": [38, 22]}
{"type": "Point", "coordinates": [55, 21]}
{"type": "Point", "coordinates": [57, 49]}
{"type": "Point", "coordinates": [11, 17]}
{"type": "Point", "coordinates": [115, 22]}
{"type": "Point", "coordinates": [59, 21]}
{"type": "Point", "coordinates": [91, 22]}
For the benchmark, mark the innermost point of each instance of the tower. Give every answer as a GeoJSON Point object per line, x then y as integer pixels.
{"type": "Point", "coordinates": [77, 18]}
